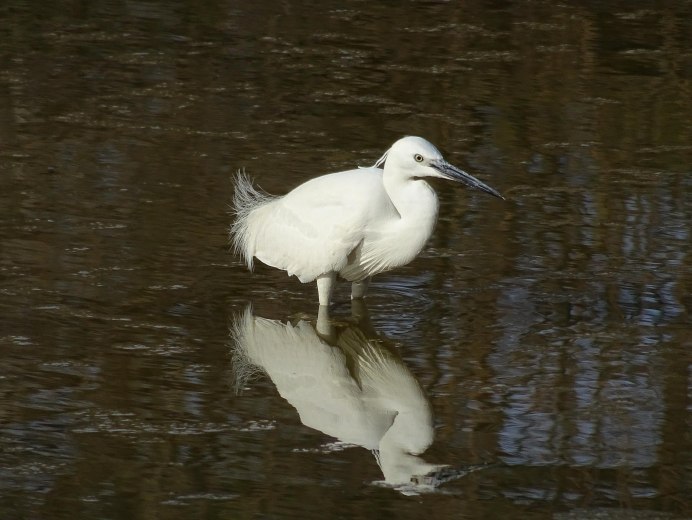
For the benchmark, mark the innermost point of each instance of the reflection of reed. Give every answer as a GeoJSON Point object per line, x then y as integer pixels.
{"type": "Point", "coordinates": [344, 382]}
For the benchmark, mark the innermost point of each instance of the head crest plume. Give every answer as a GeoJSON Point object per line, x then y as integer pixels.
{"type": "Point", "coordinates": [380, 162]}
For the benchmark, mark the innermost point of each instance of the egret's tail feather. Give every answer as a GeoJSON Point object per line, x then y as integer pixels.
{"type": "Point", "coordinates": [246, 199]}
{"type": "Point", "coordinates": [244, 368]}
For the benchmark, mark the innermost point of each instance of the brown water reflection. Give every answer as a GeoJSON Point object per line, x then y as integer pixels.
{"type": "Point", "coordinates": [551, 333]}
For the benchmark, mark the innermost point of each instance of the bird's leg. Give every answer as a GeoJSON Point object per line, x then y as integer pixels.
{"type": "Point", "coordinates": [325, 283]}
{"type": "Point", "coordinates": [359, 289]}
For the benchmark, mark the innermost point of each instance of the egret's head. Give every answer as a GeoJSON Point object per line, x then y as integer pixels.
{"type": "Point", "coordinates": [414, 157]}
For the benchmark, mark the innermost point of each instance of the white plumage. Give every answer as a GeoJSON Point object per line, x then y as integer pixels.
{"type": "Point", "coordinates": [353, 388]}
{"type": "Point", "coordinates": [355, 223]}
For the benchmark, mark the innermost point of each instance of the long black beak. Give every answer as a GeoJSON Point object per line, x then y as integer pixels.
{"type": "Point", "coordinates": [453, 173]}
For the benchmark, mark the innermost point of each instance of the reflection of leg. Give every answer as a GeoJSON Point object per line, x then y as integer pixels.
{"type": "Point", "coordinates": [359, 289]}
{"type": "Point", "coordinates": [325, 283]}
{"type": "Point", "coordinates": [324, 327]}
{"type": "Point", "coordinates": [359, 310]}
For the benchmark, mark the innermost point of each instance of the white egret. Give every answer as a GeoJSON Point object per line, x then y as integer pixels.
{"type": "Point", "coordinates": [355, 223]}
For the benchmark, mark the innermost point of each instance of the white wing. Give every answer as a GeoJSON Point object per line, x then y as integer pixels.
{"type": "Point", "coordinates": [313, 229]}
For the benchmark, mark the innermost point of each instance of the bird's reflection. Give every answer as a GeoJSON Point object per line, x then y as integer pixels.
{"type": "Point", "coordinates": [346, 382]}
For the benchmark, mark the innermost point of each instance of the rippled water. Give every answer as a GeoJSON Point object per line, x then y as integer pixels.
{"type": "Point", "coordinates": [541, 345]}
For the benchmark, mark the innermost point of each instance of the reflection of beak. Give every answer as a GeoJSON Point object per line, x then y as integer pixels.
{"type": "Point", "coordinates": [453, 173]}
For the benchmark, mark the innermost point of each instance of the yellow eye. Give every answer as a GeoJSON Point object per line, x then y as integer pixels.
{"type": "Point", "coordinates": [418, 157]}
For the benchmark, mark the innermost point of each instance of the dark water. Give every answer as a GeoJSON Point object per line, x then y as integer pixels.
{"type": "Point", "coordinates": [545, 342]}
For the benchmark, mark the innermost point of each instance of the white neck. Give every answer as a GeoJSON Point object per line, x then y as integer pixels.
{"type": "Point", "coordinates": [416, 202]}
{"type": "Point", "coordinates": [411, 433]}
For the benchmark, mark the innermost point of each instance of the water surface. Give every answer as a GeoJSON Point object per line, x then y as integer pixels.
{"type": "Point", "coordinates": [549, 335]}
